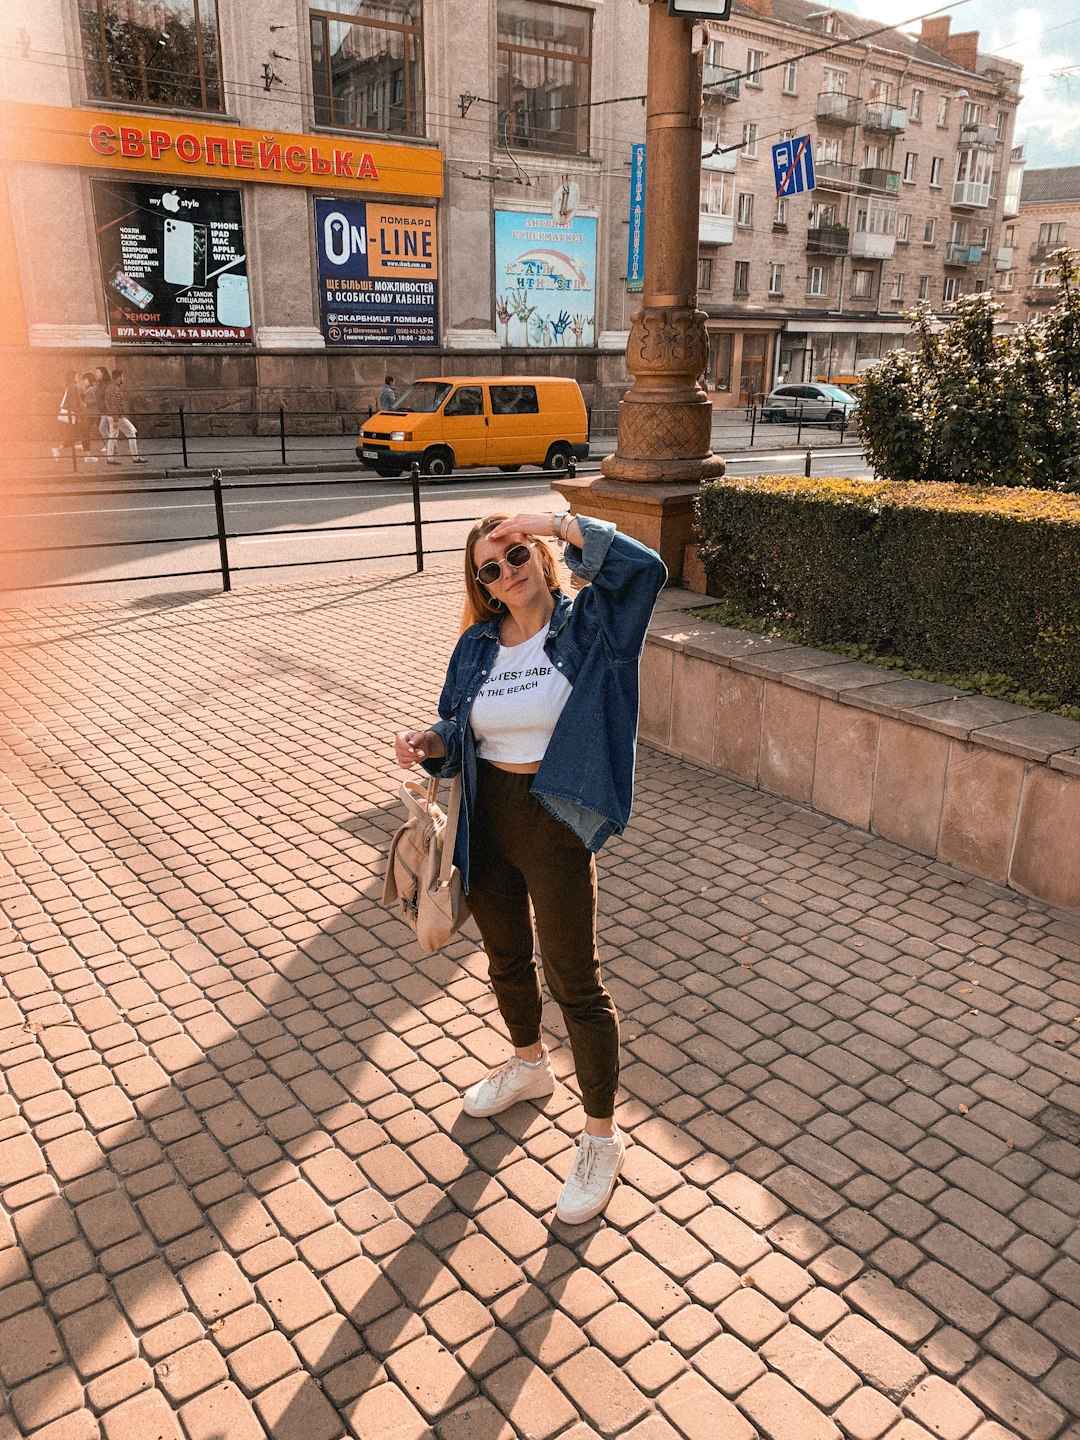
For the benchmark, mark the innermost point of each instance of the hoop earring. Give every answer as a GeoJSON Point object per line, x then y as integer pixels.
{"type": "Point", "coordinates": [493, 605]}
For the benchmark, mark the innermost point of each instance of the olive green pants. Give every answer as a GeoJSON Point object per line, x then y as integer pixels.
{"type": "Point", "coordinates": [520, 853]}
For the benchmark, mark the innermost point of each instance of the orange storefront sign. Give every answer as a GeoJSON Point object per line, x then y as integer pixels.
{"type": "Point", "coordinates": [142, 144]}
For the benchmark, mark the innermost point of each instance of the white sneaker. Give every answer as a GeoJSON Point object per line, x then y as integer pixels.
{"type": "Point", "coordinates": [590, 1183]}
{"type": "Point", "coordinates": [514, 1081]}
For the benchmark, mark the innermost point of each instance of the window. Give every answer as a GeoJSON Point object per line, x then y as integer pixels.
{"type": "Point", "coordinates": [909, 167]}
{"type": "Point", "coordinates": [928, 231]}
{"type": "Point", "coordinates": [898, 286]}
{"type": "Point", "coordinates": [903, 229]}
{"type": "Point", "coordinates": [943, 110]}
{"type": "Point", "coordinates": [367, 65]}
{"type": "Point", "coordinates": [915, 104]}
{"type": "Point", "coordinates": [874, 157]}
{"type": "Point", "coordinates": [972, 113]}
{"type": "Point", "coordinates": [166, 54]}
{"type": "Point", "coordinates": [828, 151]}
{"type": "Point", "coordinates": [749, 140]}
{"type": "Point", "coordinates": [716, 193]}
{"type": "Point", "coordinates": [924, 287]}
{"type": "Point", "coordinates": [791, 77]}
{"type": "Point", "coordinates": [742, 277]}
{"type": "Point", "coordinates": [1000, 123]}
{"type": "Point", "coordinates": [817, 280]}
{"type": "Point", "coordinates": [822, 214]}
{"type": "Point", "coordinates": [753, 66]}
{"type": "Point", "coordinates": [544, 66]}
{"type": "Point", "coordinates": [745, 210]}
{"type": "Point", "coordinates": [958, 232]}
{"type": "Point", "coordinates": [776, 279]}
{"type": "Point", "coordinates": [835, 81]}
{"type": "Point", "coordinates": [511, 400]}
{"type": "Point", "coordinates": [1052, 233]}
{"type": "Point", "coordinates": [710, 128]}
{"type": "Point", "coordinates": [1010, 235]}
{"type": "Point", "coordinates": [862, 284]}
{"type": "Point", "coordinates": [1005, 280]}
{"type": "Point", "coordinates": [714, 53]}
{"type": "Point", "coordinates": [704, 274]}
{"type": "Point", "coordinates": [880, 92]}
{"type": "Point", "coordinates": [1042, 280]}
{"type": "Point", "coordinates": [466, 400]}
{"type": "Point", "coordinates": [935, 171]}
{"type": "Point", "coordinates": [952, 289]}
{"type": "Point", "coordinates": [780, 218]}
{"type": "Point", "coordinates": [984, 238]}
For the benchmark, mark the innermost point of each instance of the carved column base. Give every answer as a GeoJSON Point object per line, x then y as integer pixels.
{"type": "Point", "coordinates": [660, 515]}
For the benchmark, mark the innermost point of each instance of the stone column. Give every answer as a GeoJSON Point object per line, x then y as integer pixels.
{"type": "Point", "coordinates": [665, 420]}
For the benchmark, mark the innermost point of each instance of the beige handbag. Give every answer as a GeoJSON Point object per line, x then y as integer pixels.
{"type": "Point", "coordinates": [423, 885]}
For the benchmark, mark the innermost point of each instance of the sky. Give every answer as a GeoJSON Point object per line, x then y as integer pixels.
{"type": "Point", "coordinates": [1044, 36]}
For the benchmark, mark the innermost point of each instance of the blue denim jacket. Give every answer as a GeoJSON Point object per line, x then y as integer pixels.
{"type": "Point", "coordinates": [586, 778]}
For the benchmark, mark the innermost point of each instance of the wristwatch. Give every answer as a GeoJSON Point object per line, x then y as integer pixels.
{"type": "Point", "coordinates": [558, 520]}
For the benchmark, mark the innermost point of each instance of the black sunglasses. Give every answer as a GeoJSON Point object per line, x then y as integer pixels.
{"type": "Point", "coordinates": [514, 558]}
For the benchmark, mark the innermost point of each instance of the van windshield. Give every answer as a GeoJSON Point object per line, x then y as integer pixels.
{"type": "Point", "coordinates": [423, 398]}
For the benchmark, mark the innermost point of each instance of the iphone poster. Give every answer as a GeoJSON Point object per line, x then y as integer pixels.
{"type": "Point", "coordinates": [378, 273]}
{"type": "Point", "coordinates": [173, 263]}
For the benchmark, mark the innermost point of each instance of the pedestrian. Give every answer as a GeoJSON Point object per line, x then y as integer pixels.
{"type": "Point", "coordinates": [387, 398]}
{"type": "Point", "coordinates": [538, 715]}
{"type": "Point", "coordinates": [114, 409]}
{"type": "Point", "coordinates": [69, 417]}
{"type": "Point", "coordinates": [94, 401]}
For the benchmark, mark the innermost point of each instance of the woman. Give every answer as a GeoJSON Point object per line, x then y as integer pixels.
{"type": "Point", "coordinates": [539, 716]}
{"type": "Point", "coordinates": [114, 410]}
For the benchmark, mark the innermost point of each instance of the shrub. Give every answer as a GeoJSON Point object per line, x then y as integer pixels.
{"type": "Point", "coordinates": [967, 405]}
{"type": "Point", "coordinates": [953, 577]}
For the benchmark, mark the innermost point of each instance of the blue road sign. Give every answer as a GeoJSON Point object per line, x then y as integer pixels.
{"type": "Point", "coordinates": [635, 255]}
{"type": "Point", "coordinates": [793, 165]}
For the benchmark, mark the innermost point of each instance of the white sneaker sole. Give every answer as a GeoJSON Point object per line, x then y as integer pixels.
{"type": "Point", "coordinates": [540, 1091]}
{"type": "Point", "coordinates": [601, 1205]}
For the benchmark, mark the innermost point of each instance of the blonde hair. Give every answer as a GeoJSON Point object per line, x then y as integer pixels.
{"type": "Point", "coordinates": [479, 604]}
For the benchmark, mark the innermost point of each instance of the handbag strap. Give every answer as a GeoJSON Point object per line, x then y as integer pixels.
{"type": "Point", "coordinates": [450, 833]}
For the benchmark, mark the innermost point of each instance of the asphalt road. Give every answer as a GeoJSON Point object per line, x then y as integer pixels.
{"type": "Point", "coordinates": [121, 540]}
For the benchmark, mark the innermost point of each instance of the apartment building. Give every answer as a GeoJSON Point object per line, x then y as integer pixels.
{"type": "Point", "coordinates": [913, 157]}
{"type": "Point", "coordinates": [257, 203]}
{"type": "Point", "coordinates": [1048, 219]}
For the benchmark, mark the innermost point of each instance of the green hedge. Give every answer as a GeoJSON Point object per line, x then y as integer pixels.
{"type": "Point", "coordinates": [949, 576]}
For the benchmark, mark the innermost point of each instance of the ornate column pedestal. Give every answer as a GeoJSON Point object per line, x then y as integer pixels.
{"type": "Point", "coordinates": [663, 448]}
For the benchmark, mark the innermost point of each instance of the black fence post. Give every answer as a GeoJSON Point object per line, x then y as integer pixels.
{"type": "Point", "coordinates": [798, 423]}
{"type": "Point", "coordinates": [571, 467]}
{"type": "Point", "coordinates": [809, 460]}
{"type": "Point", "coordinates": [222, 536]}
{"type": "Point", "coordinates": [753, 423]}
{"type": "Point", "coordinates": [183, 438]}
{"type": "Point", "coordinates": [74, 454]}
{"type": "Point", "coordinates": [281, 428]}
{"type": "Point", "coordinates": [418, 524]}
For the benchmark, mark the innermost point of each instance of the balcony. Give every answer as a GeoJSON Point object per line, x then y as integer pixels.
{"type": "Point", "coordinates": [979, 137]}
{"type": "Point", "coordinates": [870, 245]}
{"type": "Point", "coordinates": [971, 194]}
{"type": "Point", "coordinates": [720, 82]}
{"type": "Point", "coordinates": [959, 252]}
{"type": "Point", "coordinates": [1040, 252]}
{"type": "Point", "coordinates": [1042, 295]}
{"type": "Point", "coordinates": [889, 118]}
{"type": "Point", "coordinates": [715, 229]}
{"type": "Point", "coordinates": [1004, 259]}
{"type": "Point", "coordinates": [836, 109]}
{"type": "Point", "coordinates": [874, 178]}
{"type": "Point", "coordinates": [833, 174]}
{"type": "Point", "coordinates": [827, 240]}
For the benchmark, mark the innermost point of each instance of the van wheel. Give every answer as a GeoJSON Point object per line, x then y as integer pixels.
{"type": "Point", "coordinates": [558, 458]}
{"type": "Point", "coordinates": [509, 469]}
{"type": "Point", "coordinates": [437, 462]}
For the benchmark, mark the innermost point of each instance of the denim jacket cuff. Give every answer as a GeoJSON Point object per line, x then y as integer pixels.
{"type": "Point", "coordinates": [587, 559]}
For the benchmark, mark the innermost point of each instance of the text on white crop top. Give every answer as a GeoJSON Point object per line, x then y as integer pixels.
{"type": "Point", "coordinates": [518, 705]}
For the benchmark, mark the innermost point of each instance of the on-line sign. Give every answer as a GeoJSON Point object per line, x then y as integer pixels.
{"type": "Point", "coordinates": [793, 165]}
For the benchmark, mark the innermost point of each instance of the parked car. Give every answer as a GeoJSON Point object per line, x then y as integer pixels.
{"type": "Point", "coordinates": [454, 421]}
{"type": "Point", "coordinates": [810, 404]}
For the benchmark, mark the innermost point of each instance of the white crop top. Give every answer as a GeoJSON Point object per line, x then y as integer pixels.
{"type": "Point", "coordinates": [517, 706]}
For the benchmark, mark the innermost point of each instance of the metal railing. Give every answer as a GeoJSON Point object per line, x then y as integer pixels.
{"type": "Point", "coordinates": [218, 488]}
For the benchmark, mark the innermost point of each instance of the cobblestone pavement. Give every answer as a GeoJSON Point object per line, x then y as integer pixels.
{"type": "Point", "coordinates": [239, 1194]}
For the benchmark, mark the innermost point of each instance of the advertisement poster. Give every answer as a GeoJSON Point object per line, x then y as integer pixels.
{"type": "Point", "coordinates": [635, 250]}
{"type": "Point", "coordinates": [545, 279]}
{"type": "Point", "coordinates": [173, 263]}
{"type": "Point", "coordinates": [378, 273]}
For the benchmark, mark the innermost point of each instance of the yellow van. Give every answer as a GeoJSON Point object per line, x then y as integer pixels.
{"type": "Point", "coordinates": [503, 420]}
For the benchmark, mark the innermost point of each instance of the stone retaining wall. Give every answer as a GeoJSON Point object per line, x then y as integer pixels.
{"type": "Point", "coordinates": [983, 785]}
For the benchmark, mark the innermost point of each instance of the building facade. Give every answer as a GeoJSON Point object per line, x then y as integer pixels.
{"type": "Point", "coordinates": [912, 149]}
{"type": "Point", "coordinates": [254, 204]}
{"type": "Point", "coordinates": [1048, 220]}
